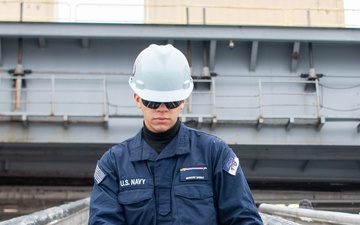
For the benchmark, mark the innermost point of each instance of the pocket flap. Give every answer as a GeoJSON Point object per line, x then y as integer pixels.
{"type": "Point", "coordinates": [194, 191]}
{"type": "Point", "coordinates": [134, 196]}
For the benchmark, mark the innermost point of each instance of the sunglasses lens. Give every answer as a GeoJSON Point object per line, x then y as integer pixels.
{"type": "Point", "coordinates": [151, 105]}
{"type": "Point", "coordinates": [155, 105]}
{"type": "Point", "coordinates": [172, 105]}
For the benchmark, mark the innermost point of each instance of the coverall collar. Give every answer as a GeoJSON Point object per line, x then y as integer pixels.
{"type": "Point", "coordinates": [178, 146]}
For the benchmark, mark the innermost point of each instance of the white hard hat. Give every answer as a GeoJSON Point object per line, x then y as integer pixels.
{"type": "Point", "coordinates": [161, 74]}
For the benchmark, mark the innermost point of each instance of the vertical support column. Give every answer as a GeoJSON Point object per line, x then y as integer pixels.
{"type": "Point", "coordinates": [295, 56]}
{"type": "Point", "coordinates": [206, 71]}
{"type": "Point", "coordinates": [105, 104]}
{"type": "Point", "coordinates": [212, 55]}
{"type": "Point", "coordinates": [254, 52]}
{"type": "Point", "coordinates": [189, 55]}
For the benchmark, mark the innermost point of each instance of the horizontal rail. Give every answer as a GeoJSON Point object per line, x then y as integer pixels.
{"type": "Point", "coordinates": [275, 220]}
{"type": "Point", "coordinates": [314, 215]}
{"type": "Point", "coordinates": [288, 106]}
{"type": "Point", "coordinates": [55, 215]}
{"type": "Point", "coordinates": [45, 99]}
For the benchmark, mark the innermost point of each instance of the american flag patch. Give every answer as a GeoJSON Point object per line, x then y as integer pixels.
{"type": "Point", "coordinates": [99, 175]}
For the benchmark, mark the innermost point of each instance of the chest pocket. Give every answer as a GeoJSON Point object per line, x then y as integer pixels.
{"type": "Point", "coordinates": [129, 197]}
{"type": "Point", "coordinates": [137, 204]}
{"type": "Point", "coordinates": [195, 201]}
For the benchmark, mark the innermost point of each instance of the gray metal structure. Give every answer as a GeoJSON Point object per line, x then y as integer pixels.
{"type": "Point", "coordinates": [285, 99]}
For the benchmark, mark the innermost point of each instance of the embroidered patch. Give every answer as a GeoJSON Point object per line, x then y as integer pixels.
{"type": "Point", "coordinates": [132, 182]}
{"type": "Point", "coordinates": [193, 173]}
{"type": "Point", "coordinates": [99, 175]}
{"type": "Point", "coordinates": [232, 164]}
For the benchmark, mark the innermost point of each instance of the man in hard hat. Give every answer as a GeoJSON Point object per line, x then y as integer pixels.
{"type": "Point", "coordinates": [169, 173]}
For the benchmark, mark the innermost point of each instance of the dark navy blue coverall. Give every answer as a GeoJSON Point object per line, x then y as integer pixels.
{"type": "Point", "coordinates": [196, 179]}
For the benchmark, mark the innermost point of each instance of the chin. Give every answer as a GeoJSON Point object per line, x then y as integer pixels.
{"type": "Point", "coordinates": [161, 128]}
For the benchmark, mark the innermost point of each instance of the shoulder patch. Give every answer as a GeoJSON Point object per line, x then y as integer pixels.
{"type": "Point", "coordinates": [231, 164]}
{"type": "Point", "coordinates": [99, 175]}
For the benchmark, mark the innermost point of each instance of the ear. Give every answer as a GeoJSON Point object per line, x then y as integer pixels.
{"type": "Point", "coordinates": [137, 100]}
{"type": "Point", "coordinates": [182, 104]}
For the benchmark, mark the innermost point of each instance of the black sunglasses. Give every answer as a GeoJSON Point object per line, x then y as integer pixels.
{"type": "Point", "coordinates": [155, 105]}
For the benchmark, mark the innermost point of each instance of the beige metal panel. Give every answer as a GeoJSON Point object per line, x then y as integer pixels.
{"type": "Point", "coordinates": [9, 10]}
{"type": "Point", "coordinates": [256, 12]}
{"type": "Point", "coordinates": [316, 13]}
{"type": "Point", "coordinates": [161, 11]}
{"type": "Point", "coordinates": [39, 10]}
{"type": "Point", "coordinates": [32, 10]}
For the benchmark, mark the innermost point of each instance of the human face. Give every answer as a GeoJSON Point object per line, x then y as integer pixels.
{"type": "Point", "coordinates": [160, 119]}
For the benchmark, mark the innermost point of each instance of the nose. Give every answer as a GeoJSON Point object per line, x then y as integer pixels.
{"type": "Point", "coordinates": [162, 107]}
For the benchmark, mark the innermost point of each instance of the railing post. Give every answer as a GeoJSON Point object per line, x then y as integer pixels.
{"type": "Point", "coordinates": [213, 98]}
{"type": "Point", "coordinates": [105, 111]}
{"type": "Point", "coordinates": [105, 104]}
{"type": "Point", "coordinates": [317, 98]}
{"type": "Point", "coordinates": [260, 101]}
{"type": "Point", "coordinates": [18, 82]}
{"type": "Point", "coordinates": [52, 95]}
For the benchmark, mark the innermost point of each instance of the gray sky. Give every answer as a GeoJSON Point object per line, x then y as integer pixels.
{"type": "Point", "coordinates": [352, 13]}
{"type": "Point", "coordinates": [130, 11]}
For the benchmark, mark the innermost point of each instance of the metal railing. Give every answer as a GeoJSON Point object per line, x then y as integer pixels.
{"type": "Point", "coordinates": [311, 216]}
{"type": "Point", "coordinates": [272, 99]}
{"type": "Point", "coordinates": [85, 99]}
{"type": "Point", "coordinates": [53, 99]}
{"type": "Point", "coordinates": [294, 98]}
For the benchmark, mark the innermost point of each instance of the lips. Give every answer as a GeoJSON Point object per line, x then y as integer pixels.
{"type": "Point", "coordinates": [161, 118]}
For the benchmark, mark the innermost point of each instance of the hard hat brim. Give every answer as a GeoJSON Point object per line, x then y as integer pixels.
{"type": "Point", "coordinates": [162, 96]}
